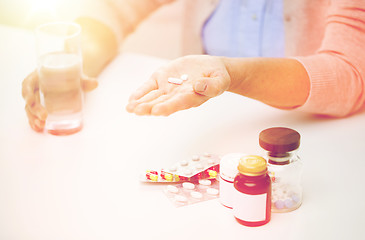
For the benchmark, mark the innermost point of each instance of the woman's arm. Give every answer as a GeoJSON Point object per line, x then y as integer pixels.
{"type": "Point", "coordinates": [99, 45]}
{"type": "Point", "coordinates": [279, 82]}
{"type": "Point", "coordinates": [282, 83]}
{"type": "Point", "coordinates": [103, 33]}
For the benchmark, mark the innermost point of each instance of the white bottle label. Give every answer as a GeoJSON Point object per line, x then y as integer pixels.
{"type": "Point", "coordinates": [250, 208]}
{"type": "Point", "coordinates": [226, 192]}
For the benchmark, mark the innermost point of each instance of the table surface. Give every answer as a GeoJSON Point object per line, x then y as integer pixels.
{"type": "Point", "coordinates": [86, 186]}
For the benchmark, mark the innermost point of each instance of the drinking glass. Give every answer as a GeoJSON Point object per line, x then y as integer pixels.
{"type": "Point", "coordinates": [59, 66]}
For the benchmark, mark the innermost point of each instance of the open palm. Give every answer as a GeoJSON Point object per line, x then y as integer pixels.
{"type": "Point", "coordinates": [207, 78]}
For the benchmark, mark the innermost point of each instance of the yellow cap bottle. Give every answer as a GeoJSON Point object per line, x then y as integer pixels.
{"type": "Point", "coordinates": [252, 198]}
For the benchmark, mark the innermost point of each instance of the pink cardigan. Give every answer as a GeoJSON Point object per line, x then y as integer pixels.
{"type": "Point", "coordinates": [326, 36]}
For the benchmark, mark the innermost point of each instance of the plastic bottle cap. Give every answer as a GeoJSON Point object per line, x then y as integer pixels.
{"type": "Point", "coordinates": [279, 140]}
{"type": "Point", "coordinates": [252, 165]}
{"type": "Point", "coordinates": [228, 165]}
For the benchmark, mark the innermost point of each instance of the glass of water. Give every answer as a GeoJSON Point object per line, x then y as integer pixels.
{"type": "Point", "coordinates": [59, 66]}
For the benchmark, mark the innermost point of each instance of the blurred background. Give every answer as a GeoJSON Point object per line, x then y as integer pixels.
{"type": "Point", "coordinates": [162, 28]}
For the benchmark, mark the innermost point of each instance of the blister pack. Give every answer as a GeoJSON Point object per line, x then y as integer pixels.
{"type": "Point", "coordinates": [187, 193]}
{"type": "Point", "coordinates": [204, 166]}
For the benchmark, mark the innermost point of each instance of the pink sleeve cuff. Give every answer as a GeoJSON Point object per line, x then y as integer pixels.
{"type": "Point", "coordinates": [335, 88]}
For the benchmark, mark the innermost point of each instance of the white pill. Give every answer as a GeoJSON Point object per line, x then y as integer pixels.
{"type": "Point", "coordinates": [274, 195]}
{"type": "Point", "coordinates": [295, 198]}
{"type": "Point", "coordinates": [184, 77]}
{"type": "Point", "coordinates": [184, 163]}
{"type": "Point", "coordinates": [205, 182]}
{"type": "Point", "coordinates": [280, 197]}
{"type": "Point", "coordinates": [188, 171]}
{"type": "Point", "coordinates": [279, 204]}
{"type": "Point", "coordinates": [188, 185]}
{"type": "Point", "coordinates": [207, 154]}
{"type": "Point", "coordinates": [210, 161]}
{"type": "Point", "coordinates": [212, 191]}
{"type": "Point", "coordinates": [173, 169]}
{"type": "Point", "coordinates": [280, 193]}
{"type": "Point", "coordinates": [196, 195]}
{"type": "Point", "coordinates": [199, 166]}
{"type": "Point", "coordinates": [172, 189]}
{"type": "Point", "coordinates": [288, 203]}
{"type": "Point", "coordinates": [177, 81]}
{"type": "Point", "coordinates": [195, 158]}
{"type": "Point", "coordinates": [181, 198]}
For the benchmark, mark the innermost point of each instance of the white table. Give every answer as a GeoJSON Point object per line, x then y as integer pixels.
{"type": "Point", "coordinates": [86, 186]}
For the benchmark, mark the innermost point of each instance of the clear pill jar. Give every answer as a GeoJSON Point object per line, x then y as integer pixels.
{"type": "Point", "coordinates": [284, 167]}
{"type": "Point", "coordinates": [227, 172]}
{"type": "Point", "coordinates": [252, 198]}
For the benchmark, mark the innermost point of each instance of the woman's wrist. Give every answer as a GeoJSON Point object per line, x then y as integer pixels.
{"type": "Point", "coordinates": [99, 45]}
{"type": "Point", "coordinates": [279, 82]}
{"type": "Point", "coordinates": [237, 73]}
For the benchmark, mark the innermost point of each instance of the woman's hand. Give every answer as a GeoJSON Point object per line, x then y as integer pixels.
{"type": "Point", "coordinates": [99, 47]}
{"type": "Point", "coordinates": [207, 78]}
{"type": "Point", "coordinates": [36, 113]}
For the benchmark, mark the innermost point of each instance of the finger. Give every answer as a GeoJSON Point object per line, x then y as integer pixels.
{"type": "Point", "coordinates": [37, 109]}
{"type": "Point", "coordinates": [147, 87]}
{"type": "Point", "coordinates": [145, 108]}
{"type": "Point", "coordinates": [30, 85]}
{"type": "Point", "coordinates": [209, 86]}
{"type": "Point", "coordinates": [177, 103]}
{"type": "Point", "coordinates": [34, 122]}
{"type": "Point", "coordinates": [146, 98]}
{"type": "Point", "coordinates": [30, 99]}
{"type": "Point", "coordinates": [88, 83]}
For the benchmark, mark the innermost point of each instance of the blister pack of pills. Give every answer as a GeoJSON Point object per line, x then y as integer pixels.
{"type": "Point", "coordinates": [187, 193]}
{"type": "Point", "coordinates": [204, 166]}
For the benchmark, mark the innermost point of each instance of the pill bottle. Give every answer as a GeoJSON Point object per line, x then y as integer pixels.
{"type": "Point", "coordinates": [285, 168]}
{"type": "Point", "coordinates": [228, 171]}
{"type": "Point", "coordinates": [252, 198]}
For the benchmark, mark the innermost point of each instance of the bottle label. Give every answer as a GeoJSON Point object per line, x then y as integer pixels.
{"type": "Point", "coordinates": [251, 208]}
{"type": "Point", "coordinates": [226, 192]}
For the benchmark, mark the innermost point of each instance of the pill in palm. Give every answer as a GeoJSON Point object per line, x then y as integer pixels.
{"type": "Point", "coordinates": [177, 81]}
{"type": "Point", "coordinates": [184, 77]}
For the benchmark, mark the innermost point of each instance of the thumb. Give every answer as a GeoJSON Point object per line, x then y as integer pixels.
{"type": "Point", "coordinates": [208, 86]}
{"type": "Point", "coordinates": [88, 83]}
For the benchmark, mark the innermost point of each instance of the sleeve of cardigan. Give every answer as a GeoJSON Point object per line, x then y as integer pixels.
{"type": "Point", "coordinates": [337, 70]}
